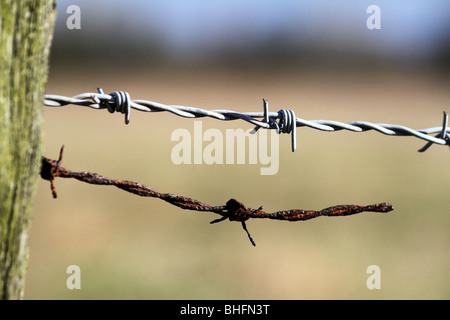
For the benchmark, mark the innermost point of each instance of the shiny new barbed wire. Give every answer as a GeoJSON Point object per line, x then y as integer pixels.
{"type": "Point", "coordinates": [120, 101]}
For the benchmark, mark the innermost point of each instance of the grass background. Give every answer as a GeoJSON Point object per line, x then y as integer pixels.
{"type": "Point", "coordinates": [142, 248]}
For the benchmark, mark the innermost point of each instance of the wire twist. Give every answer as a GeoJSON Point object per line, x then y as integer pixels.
{"type": "Point", "coordinates": [232, 210]}
{"type": "Point", "coordinates": [283, 121]}
{"type": "Point", "coordinates": [120, 103]}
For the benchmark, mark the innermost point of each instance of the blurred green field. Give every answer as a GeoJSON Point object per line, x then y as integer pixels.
{"type": "Point", "coordinates": [143, 248]}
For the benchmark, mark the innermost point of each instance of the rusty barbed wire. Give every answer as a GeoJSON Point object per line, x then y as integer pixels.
{"type": "Point", "coordinates": [119, 101]}
{"type": "Point", "coordinates": [232, 210]}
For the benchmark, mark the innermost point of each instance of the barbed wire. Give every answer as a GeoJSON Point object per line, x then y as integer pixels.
{"type": "Point", "coordinates": [232, 210]}
{"type": "Point", "coordinates": [283, 121]}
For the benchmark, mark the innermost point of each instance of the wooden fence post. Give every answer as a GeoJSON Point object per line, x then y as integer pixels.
{"type": "Point", "coordinates": [26, 30]}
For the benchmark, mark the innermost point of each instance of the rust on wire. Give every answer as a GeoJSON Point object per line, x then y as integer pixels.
{"type": "Point", "coordinates": [232, 210]}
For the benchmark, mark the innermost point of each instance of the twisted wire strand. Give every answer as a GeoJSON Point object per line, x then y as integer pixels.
{"type": "Point", "coordinates": [120, 101]}
{"type": "Point", "coordinates": [233, 210]}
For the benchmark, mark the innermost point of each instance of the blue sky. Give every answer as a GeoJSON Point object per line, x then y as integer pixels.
{"type": "Point", "coordinates": [408, 28]}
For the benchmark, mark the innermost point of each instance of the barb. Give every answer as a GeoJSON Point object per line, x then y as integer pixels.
{"type": "Point", "coordinates": [232, 210]}
{"type": "Point", "coordinates": [287, 121]}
